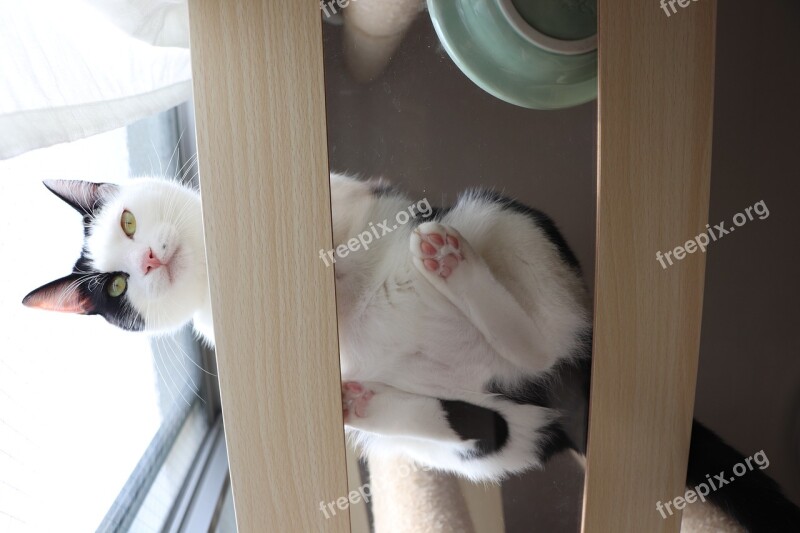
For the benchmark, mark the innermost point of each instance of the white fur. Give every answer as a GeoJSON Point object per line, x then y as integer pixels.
{"type": "Point", "coordinates": [510, 311]}
{"type": "Point", "coordinates": [431, 338]}
{"type": "Point", "coordinates": [168, 221]}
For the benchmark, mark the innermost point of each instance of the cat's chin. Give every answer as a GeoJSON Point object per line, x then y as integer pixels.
{"type": "Point", "coordinates": [172, 299]}
{"type": "Point", "coordinates": [174, 320]}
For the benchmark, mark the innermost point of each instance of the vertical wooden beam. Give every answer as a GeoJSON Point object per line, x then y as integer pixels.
{"type": "Point", "coordinates": [259, 97]}
{"type": "Point", "coordinates": [654, 150]}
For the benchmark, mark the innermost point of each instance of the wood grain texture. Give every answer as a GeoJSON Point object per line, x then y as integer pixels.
{"type": "Point", "coordinates": [654, 154]}
{"type": "Point", "coordinates": [259, 99]}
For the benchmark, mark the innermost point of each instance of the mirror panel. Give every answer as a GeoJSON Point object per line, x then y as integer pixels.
{"type": "Point", "coordinates": [411, 102]}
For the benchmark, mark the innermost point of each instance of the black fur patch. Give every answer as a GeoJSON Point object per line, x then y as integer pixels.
{"type": "Point", "coordinates": [565, 389]}
{"type": "Point", "coordinates": [116, 310]}
{"type": "Point", "coordinates": [88, 199]}
{"type": "Point", "coordinates": [753, 499]}
{"type": "Point", "coordinates": [383, 188]}
{"type": "Point", "coordinates": [554, 440]}
{"type": "Point", "coordinates": [542, 221]}
{"type": "Point", "coordinates": [529, 392]}
{"type": "Point", "coordinates": [436, 214]}
{"type": "Point", "coordinates": [542, 391]}
{"type": "Point", "coordinates": [472, 422]}
{"type": "Point", "coordinates": [85, 197]}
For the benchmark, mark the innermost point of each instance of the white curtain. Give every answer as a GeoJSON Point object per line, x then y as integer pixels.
{"type": "Point", "coordinates": [74, 68]}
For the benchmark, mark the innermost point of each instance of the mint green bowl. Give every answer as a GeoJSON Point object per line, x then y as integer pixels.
{"type": "Point", "coordinates": [501, 45]}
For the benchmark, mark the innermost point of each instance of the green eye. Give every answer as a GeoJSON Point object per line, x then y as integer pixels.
{"type": "Point", "coordinates": [117, 286]}
{"type": "Point", "coordinates": [128, 223]}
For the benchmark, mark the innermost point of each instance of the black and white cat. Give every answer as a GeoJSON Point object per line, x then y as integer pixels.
{"type": "Point", "coordinates": [465, 335]}
{"type": "Point", "coordinates": [143, 263]}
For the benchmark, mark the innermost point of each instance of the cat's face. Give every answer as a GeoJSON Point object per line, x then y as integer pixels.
{"type": "Point", "coordinates": [143, 262]}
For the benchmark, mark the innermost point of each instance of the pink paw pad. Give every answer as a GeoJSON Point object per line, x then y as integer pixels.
{"type": "Point", "coordinates": [355, 398]}
{"type": "Point", "coordinates": [439, 253]}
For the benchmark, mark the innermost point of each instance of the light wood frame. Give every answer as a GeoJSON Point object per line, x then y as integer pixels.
{"type": "Point", "coordinates": [261, 143]}
{"type": "Point", "coordinates": [656, 76]}
{"type": "Point", "coordinates": [259, 99]}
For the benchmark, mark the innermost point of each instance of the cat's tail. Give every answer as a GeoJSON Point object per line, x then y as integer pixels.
{"type": "Point", "coordinates": [738, 485]}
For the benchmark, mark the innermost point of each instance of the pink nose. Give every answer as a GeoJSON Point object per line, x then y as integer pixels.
{"type": "Point", "coordinates": [150, 262]}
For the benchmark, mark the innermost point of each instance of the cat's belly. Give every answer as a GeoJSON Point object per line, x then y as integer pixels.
{"type": "Point", "coordinates": [406, 334]}
{"type": "Point", "coordinates": [447, 358]}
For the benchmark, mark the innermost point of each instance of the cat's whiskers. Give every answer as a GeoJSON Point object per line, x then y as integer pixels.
{"type": "Point", "coordinates": [190, 383]}
{"type": "Point", "coordinates": [174, 151]}
{"type": "Point", "coordinates": [169, 352]}
{"type": "Point", "coordinates": [185, 177]}
{"type": "Point", "coordinates": [166, 352]}
{"type": "Point", "coordinates": [85, 195]}
{"type": "Point", "coordinates": [70, 290]}
{"type": "Point", "coordinates": [182, 203]}
{"type": "Point", "coordinates": [184, 214]}
{"type": "Point", "coordinates": [131, 314]}
{"type": "Point", "coordinates": [156, 356]}
{"type": "Point", "coordinates": [165, 339]}
{"type": "Point", "coordinates": [174, 383]}
{"type": "Point", "coordinates": [187, 357]}
{"type": "Point", "coordinates": [158, 158]}
{"type": "Point", "coordinates": [183, 172]}
{"type": "Point", "coordinates": [170, 199]}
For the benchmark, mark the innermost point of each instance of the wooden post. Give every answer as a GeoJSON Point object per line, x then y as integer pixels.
{"type": "Point", "coordinates": [259, 98]}
{"type": "Point", "coordinates": [654, 156]}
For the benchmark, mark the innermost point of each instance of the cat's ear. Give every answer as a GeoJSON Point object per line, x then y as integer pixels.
{"type": "Point", "coordinates": [84, 196]}
{"type": "Point", "coordinates": [66, 295]}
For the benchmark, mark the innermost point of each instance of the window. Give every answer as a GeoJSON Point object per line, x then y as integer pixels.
{"type": "Point", "coordinates": [100, 429]}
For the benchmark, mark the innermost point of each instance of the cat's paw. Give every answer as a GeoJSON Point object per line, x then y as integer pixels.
{"type": "Point", "coordinates": [355, 399]}
{"type": "Point", "coordinates": [437, 249]}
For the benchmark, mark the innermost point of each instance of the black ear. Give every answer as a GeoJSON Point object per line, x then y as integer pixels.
{"type": "Point", "coordinates": [84, 196]}
{"type": "Point", "coordinates": [67, 295]}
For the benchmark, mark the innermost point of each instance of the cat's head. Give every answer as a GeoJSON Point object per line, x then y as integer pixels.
{"type": "Point", "coordinates": [142, 266]}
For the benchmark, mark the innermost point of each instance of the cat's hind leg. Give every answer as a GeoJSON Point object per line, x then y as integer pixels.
{"type": "Point", "coordinates": [453, 268]}
{"type": "Point", "coordinates": [384, 410]}
{"type": "Point", "coordinates": [479, 442]}
{"type": "Point", "coordinates": [469, 429]}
